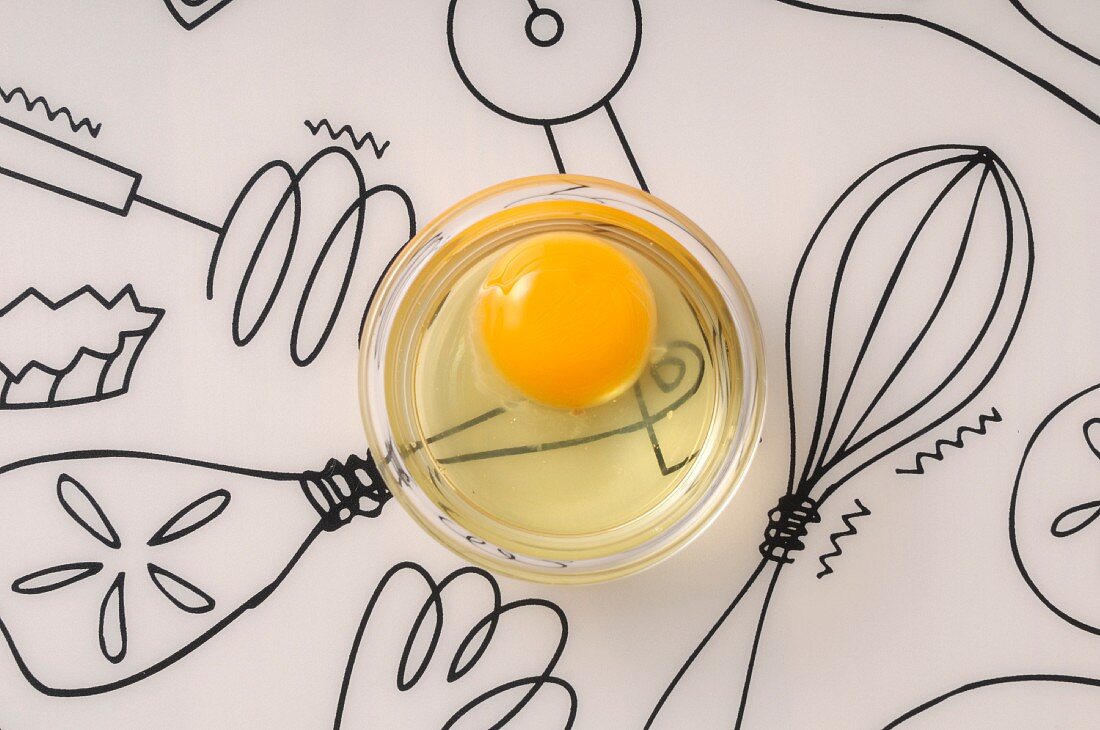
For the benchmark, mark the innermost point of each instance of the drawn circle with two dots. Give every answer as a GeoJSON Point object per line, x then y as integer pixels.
{"type": "Point", "coordinates": [1054, 517]}
{"type": "Point", "coordinates": [534, 64]}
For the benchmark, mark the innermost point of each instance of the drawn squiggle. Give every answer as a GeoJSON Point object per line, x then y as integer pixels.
{"type": "Point", "coordinates": [992, 417]}
{"type": "Point", "coordinates": [356, 142]}
{"type": "Point", "coordinates": [51, 113]}
{"type": "Point", "coordinates": [853, 400]}
{"type": "Point", "coordinates": [850, 529]}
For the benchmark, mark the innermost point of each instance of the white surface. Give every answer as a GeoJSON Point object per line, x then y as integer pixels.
{"type": "Point", "coordinates": [752, 117]}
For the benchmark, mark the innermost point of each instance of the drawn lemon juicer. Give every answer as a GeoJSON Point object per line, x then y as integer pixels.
{"type": "Point", "coordinates": [561, 378]}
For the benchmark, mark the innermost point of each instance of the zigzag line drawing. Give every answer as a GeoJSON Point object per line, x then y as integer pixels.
{"type": "Point", "coordinates": [992, 417]}
{"type": "Point", "coordinates": [51, 114]}
{"type": "Point", "coordinates": [356, 142]}
{"type": "Point", "coordinates": [835, 537]}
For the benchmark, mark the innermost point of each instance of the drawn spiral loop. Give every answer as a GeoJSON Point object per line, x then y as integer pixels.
{"type": "Point", "coordinates": [304, 348]}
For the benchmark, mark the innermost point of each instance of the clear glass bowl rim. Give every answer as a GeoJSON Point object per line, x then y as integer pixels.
{"type": "Point", "coordinates": [387, 294]}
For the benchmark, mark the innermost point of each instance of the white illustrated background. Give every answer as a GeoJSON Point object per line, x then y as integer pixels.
{"type": "Point", "coordinates": [750, 116]}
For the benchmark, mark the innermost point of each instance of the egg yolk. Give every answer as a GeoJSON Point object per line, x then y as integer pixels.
{"type": "Point", "coordinates": [567, 319]}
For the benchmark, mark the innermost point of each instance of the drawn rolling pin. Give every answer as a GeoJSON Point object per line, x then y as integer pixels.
{"type": "Point", "coordinates": [136, 559]}
{"type": "Point", "coordinates": [50, 164]}
{"type": "Point", "coordinates": [1005, 30]}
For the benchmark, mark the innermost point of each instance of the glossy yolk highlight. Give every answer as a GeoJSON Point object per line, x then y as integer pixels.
{"type": "Point", "coordinates": [567, 319]}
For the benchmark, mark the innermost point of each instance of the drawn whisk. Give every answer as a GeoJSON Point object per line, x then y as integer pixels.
{"type": "Point", "coordinates": [902, 308]}
{"type": "Point", "coordinates": [48, 163]}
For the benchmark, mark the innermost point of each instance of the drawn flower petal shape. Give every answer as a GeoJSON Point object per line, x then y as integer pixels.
{"type": "Point", "coordinates": [199, 513]}
{"type": "Point", "coordinates": [183, 594]}
{"type": "Point", "coordinates": [1075, 519]}
{"type": "Point", "coordinates": [902, 307]}
{"type": "Point", "coordinates": [59, 576]}
{"type": "Point", "coordinates": [85, 510]}
{"type": "Point", "coordinates": [112, 621]}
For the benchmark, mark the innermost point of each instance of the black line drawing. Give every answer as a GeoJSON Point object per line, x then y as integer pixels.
{"type": "Point", "coordinates": [259, 236]}
{"type": "Point", "coordinates": [1022, 679]}
{"type": "Point", "coordinates": [834, 539]}
{"type": "Point", "coordinates": [862, 399]}
{"type": "Point", "coordinates": [85, 511]}
{"type": "Point", "coordinates": [687, 356]}
{"type": "Point", "coordinates": [183, 595]}
{"type": "Point", "coordinates": [1054, 505]}
{"type": "Point", "coordinates": [190, 14]}
{"type": "Point", "coordinates": [429, 620]}
{"type": "Point", "coordinates": [956, 443]}
{"type": "Point", "coordinates": [1007, 33]}
{"type": "Point", "coordinates": [544, 93]}
{"type": "Point", "coordinates": [48, 163]}
{"type": "Point", "coordinates": [52, 114]}
{"type": "Point", "coordinates": [1018, 4]}
{"type": "Point", "coordinates": [195, 515]}
{"type": "Point", "coordinates": [356, 141]}
{"type": "Point", "coordinates": [84, 370]}
{"type": "Point", "coordinates": [69, 489]}
{"type": "Point", "coordinates": [59, 576]}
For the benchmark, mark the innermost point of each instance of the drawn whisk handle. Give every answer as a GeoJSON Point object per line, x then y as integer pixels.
{"type": "Point", "coordinates": [788, 523]}
{"type": "Point", "coordinates": [343, 491]}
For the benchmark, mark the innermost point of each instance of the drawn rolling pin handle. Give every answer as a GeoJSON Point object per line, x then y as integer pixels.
{"type": "Point", "coordinates": [42, 161]}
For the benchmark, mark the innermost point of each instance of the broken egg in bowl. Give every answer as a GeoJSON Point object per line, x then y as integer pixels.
{"type": "Point", "coordinates": [562, 378]}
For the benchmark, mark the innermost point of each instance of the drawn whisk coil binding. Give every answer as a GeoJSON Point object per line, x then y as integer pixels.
{"type": "Point", "coordinates": [84, 124]}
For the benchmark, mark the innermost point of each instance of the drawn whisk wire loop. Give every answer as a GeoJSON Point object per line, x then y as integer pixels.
{"type": "Point", "coordinates": [788, 523]}
{"type": "Point", "coordinates": [304, 349]}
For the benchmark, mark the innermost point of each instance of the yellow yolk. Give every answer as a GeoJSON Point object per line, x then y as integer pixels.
{"type": "Point", "coordinates": [567, 319]}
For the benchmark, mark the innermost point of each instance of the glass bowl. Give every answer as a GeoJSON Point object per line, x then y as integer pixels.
{"type": "Point", "coordinates": [410, 296]}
